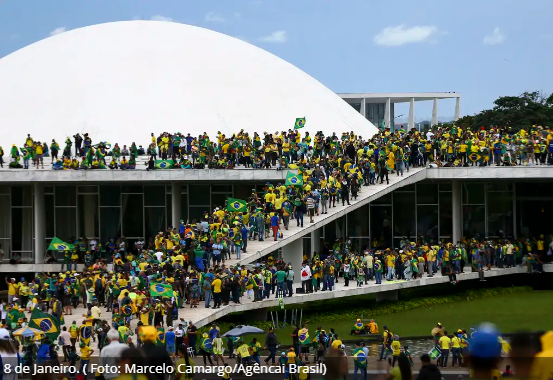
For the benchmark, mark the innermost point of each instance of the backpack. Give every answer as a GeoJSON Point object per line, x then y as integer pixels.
{"type": "Point", "coordinates": [389, 337]}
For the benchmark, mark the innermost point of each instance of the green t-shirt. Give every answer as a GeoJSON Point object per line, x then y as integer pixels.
{"type": "Point", "coordinates": [280, 275]}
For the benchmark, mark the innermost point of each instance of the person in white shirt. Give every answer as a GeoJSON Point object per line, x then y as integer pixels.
{"type": "Point", "coordinates": [9, 355]}
{"type": "Point", "coordinates": [159, 256]}
{"type": "Point", "coordinates": [110, 354]}
{"type": "Point", "coordinates": [306, 278]}
{"type": "Point", "coordinates": [65, 342]}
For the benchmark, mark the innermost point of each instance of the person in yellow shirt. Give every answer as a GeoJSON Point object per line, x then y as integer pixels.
{"type": "Point", "coordinates": [216, 284]}
{"type": "Point", "coordinates": [12, 289]}
{"type": "Point", "coordinates": [456, 350]}
{"type": "Point", "coordinates": [396, 349]}
{"type": "Point", "coordinates": [86, 352]}
{"type": "Point", "coordinates": [445, 344]}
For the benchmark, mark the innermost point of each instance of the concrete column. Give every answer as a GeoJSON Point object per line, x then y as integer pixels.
{"type": "Point", "coordinates": [363, 110]}
{"type": "Point", "coordinates": [457, 212]}
{"type": "Point", "coordinates": [387, 295]}
{"type": "Point", "coordinates": [435, 112]}
{"type": "Point", "coordinates": [39, 222]}
{"type": "Point", "coordinates": [293, 253]}
{"type": "Point", "coordinates": [412, 113]}
{"type": "Point", "coordinates": [457, 109]}
{"type": "Point", "coordinates": [316, 241]}
{"type": "Point", "coordinates": [175, 204]}
{"type": "Point", "coordinates": [387, 111]}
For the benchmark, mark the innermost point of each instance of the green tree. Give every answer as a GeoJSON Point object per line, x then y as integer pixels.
{"type": "Point", "coordinates": [525, 110]}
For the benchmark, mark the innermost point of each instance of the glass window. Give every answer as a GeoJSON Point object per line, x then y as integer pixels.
{"type": "Point", "coordinates": [66, 196]}
{"type": "Point", "coordinates": [499, 186]}
{"type": "Point", "coordinates": [133, 217]}
{"type": "Point", "coordinates": [196, 213]}
{"type": "Point", "coordinates": [221, 188]}
{"type": "Point", "coordinates": [385, 199]}
{"type": "Point", "coordinates": [381, 225]}
{"type": "Point", "coordinates": [6, 216]}
{"type": "Point", "coordinates": [184, 208]}
{"type": "Point", "coordinates": [49, 214]}
{"type": "Point", "coordinates": [531, 215]}
{"type": "Point", "coordinates": [66, 223]}
{"type": "Point", "coordinates": [404, 215]}
{"type": "Point", "coordinates": [427, 221]}
{"type": "Point", "coordinates": [155, 221]}
{"type": "Point", "coordinates": [88, 215]}
{"type": "Point", "coordinates": [200, 195]}
{"type": "Point", "coordinates": [22, 229]}
{"type": "Point", "coordinates": [218, 200]}
{"type": "Point", "coordinates": [154, 196]}
{"type": "Point", "coordinates": [445, 186]}
{"type": "Point", "coordinates": [473, 193]}
{"type": "Point", "coordinates": [110, 195]}
{"type": "Point", "coordinates": [132, 189]}
{"type": "Point", "coordinates": [358, 222]}
{"type": "Point", "coordinates": [446, 217]}
{"type": "Point", "coordinates": [307, 247]}
{"type": "Point", "coordinates": [500, 214]}
{"type": "Point", "coordinates": [410, 187]}
{"type": "Point", "coordinates": [169, 209]}
{"type": "Point", "coordinates": [88, 189]}
{"type": "Point", "coordinates": [110, 223]}
{"type": "Point", "coordinates": [5, 190]}
{"type": "Point", "coordinates": [474, 222]}
{"type": "Point", "coordinates": [48, 189]}
{"type": "Point", "coordinates": [427, 193]}
{"type": "Point", "coordinates": [22, 196]}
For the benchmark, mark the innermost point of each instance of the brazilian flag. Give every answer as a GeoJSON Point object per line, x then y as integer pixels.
{"type": "Point", "coordinates": [47, 323]}
{"type": "Point", "coordinates": [475, 157]}
{"type": "Point", "coordinates": [59, 245]}
{"type": "Point", "coordinates": [360, 358]}
{"type": "Point", "coordinates": [293, 180]}
{"type": "Point", "coordinates": [26, 153]}
{"type": "Point", "coordinates": [237, 205]}
{"type": "Point", "coordinates": [127, 310]}
{"type": "Point", "coordinates": [85, 333]}
{"type": "Point", "coordinates": [300, 123]}
{"type": "Point", "coordinates": [303, 337]}
{"type": "Point", "coordinates": [160, 339]}
{"type": "Point", "coordinates": [161, 290]}
{"type": "Point", "coordinates": [164, 164]}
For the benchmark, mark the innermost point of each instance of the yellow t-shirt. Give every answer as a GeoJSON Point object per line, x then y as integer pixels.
{"type": "Point", "coordinates": [336, 344]}
{"type": "Point", "coordinates": [12, 289]}
{"type": "Point", "coordinates": [244, 351]}
{"type": "Point", "coordinates": [216, 285]}
{"type": "Point", "coordinates": [396, 348]}
{"type": "Point", "coordinates": [445, 342]}
{"type": "Point", "coordinates": [86, 352]}
{"type": "Point", "coordinates": [455, 342]}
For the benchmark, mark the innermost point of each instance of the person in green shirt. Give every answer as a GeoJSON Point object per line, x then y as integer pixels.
{"type": "Point", "coordinates": [280, 276]}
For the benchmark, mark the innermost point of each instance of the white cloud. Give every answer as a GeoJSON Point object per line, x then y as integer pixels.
{"type": "Point", "coordinates": [161, 18]}
{"type": "Point", "coordinates": [401, 35]}
{"type": "Point", "coordinates": [277, 37]}
{"type": "Point", "coordinates": [58, 30]}
{"type": "Point", "coordinates": [495, 38]}
{"type": "Point", "coordinates": [214, 17]}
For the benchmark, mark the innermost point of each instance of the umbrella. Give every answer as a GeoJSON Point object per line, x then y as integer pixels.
{"type": "Point", "coordinates": [27, 332]}
{"type": "Point", "coordinates": [243, 330]}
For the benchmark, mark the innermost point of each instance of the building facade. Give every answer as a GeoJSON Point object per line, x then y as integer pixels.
{"type": "Point", "coordinates": [33, 214]}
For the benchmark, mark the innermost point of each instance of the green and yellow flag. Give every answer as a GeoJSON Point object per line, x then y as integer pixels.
{"type": "Point", "coordinates": [47, 323]}
{"type": "Point", "coordinates": [300, 123]}
{"type": "Point", "coordinates": [164, 164]}
{"type": "Point", "coordinates": [59, 245]}
{"type": "Point", "coordinates": [161, 290]}
{"type": "Point", "coordinates": [237, 205]}
{"type": "Point", "coordinates": [85, 332]}
{"type": "Point", "coordinates": [26, 153]}
{"type": "Point", "coordinates": [293, 180]}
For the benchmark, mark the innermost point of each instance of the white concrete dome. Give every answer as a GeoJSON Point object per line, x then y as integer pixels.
{"type": "Point", "coordinates": [121, 81]}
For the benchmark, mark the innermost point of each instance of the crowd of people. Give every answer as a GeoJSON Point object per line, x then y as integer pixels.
{"type": "Point", "coordinates": [389, 150]}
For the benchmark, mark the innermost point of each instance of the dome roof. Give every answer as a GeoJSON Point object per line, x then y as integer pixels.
{"type": "Point", "coordinates": [121, 81]}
